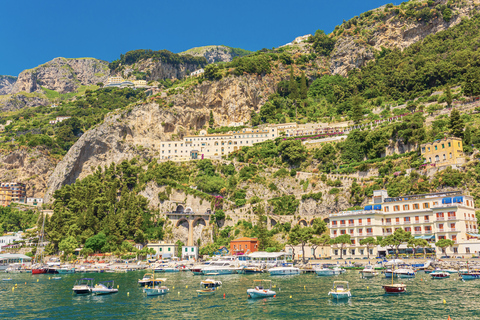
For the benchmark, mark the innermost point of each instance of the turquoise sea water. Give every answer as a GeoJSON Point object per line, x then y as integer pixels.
{"type": "Point", "coordinates": [302, 296]}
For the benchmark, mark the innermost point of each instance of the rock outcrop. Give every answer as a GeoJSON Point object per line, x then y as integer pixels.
{"type": "Point", "coordinates": [62, 75]}
{"type": "Point", "coordinates": [19, 101]}
{"type": "Point", "coordinates": [138, 131]}
{"type": "Point", "coordinates": [354, 51]}
{"type": "Point", "coordinates": [216, 53]}
{"type": "Point", "coordinates": [158, 70]}
{"type": "Point", "coordinates": [31, 167]}
{"type": "Point", "coordinates": [6, 84]}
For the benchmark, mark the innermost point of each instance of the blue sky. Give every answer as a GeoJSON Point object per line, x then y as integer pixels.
{"type": "Point", "coordinates": [34, 32]}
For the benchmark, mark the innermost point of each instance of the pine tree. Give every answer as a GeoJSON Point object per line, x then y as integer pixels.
{"type": "Point", "coordinates": [449, 96]}
{"type": "Point", "coordinates": [292, 85]}
{"type": "Point", "coordinates": [211, 121]}
{"type": "Point", "coordinates": [456, 124]}
{"type": "Point", "coordinates": [303, 86]}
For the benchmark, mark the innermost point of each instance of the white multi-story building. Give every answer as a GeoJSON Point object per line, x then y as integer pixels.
{"type": "Point", "coordinates": [213, 145]}
{"type": "Point", "coordinates": [166, 250]}
{"type": "Point", "coordinates": [434, 216]}
{"type": "Point", "coordinates": [190, 253]}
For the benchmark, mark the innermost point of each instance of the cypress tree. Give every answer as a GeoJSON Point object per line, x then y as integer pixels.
{"type": "Point", "coordinates": [292, 85]}
{"type": "Point", "coordinates": [211, 121]}
{"type": "Point", "coordinates": [357, 112]}
{"type": "Point", "coordinates": [303, 86]}
{"type": "Point", "coordinates": [456, 124]}
{"type": "Point", "coordinates": [467, 136]}
{"type": "Point", "coordinates": [449, 96]}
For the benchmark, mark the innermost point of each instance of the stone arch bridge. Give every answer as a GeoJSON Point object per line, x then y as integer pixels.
{"type": "Point", "coordinates": [186, 214]}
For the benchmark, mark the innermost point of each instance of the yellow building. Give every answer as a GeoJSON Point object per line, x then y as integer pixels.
{"type": "Point", "coordinates": [443, 152]}
{"type": "Point", "coordinates": [5, 196]}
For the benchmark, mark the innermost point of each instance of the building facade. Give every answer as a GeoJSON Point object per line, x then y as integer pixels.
{"type": "Point", "coordinates": [213, 146]}
{"type": "Point", "coordinates": [434, 216]}
{"type": "Point", "coordinates": [190, 253]}
{"type": "Point", "coordinates": [164, 250]}
{"type": "Point", "coordinates": [244, 245]}
{"type": "Point", "coordinates": [443, 152]}
{"type": "Point", "coordinates": [12, 192]}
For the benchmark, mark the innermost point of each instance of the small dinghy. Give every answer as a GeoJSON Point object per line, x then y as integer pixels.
{"type": "Point", "coordinates": [440, 275]}
{"type": "Point", "coordinates": [259, 290]}
{"type": "Point", "coordinates": [104, 287]}
{"type": "Point", "coordinates": [208, 287]}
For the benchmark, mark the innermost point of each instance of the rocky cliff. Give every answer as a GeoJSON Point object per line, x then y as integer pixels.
{"type": "Point", "coordinates": [22, 100]}
{"type": "Point", "coordinates": [389, 29]}
{"type": "Point", "coordinates": [62, 75]}
{"type": "Point", "coordinates": [6, 84]}
{"type": "Point", "coordinates": [158, 70]}
{"type": "Point", "coordinates": [32, 167]}
{"type": "Point", "coordinates": [139, 130]}
{"type": "Point", "coordinates": [216, 53]}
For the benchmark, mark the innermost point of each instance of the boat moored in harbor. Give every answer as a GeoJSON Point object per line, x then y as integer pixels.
{"type": "Point", "coordinates": [259, 289]}
{"type": "Point", "coordinates": [104, 287]}
{"type": "Point", "coordinates": [83, 286]}
{"type": "Point", "coordinates": [340, 290]}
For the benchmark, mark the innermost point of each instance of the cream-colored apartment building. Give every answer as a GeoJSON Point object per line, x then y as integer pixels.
{"type": "Point", "coordinates": [434, 216]}
{"type": "Point", "coordinates": [213, 146]}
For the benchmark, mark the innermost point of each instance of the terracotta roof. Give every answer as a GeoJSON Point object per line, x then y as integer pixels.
{"type": "Point", "coordinates": [244, 239]}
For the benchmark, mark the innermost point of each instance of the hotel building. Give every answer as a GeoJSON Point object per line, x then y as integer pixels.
{"type": "Point", "coordinates": [213, 146]}
{"type": "Point", "coordinates": [12, 192]}
{"type": "Point", "coordinates": [434, 216]}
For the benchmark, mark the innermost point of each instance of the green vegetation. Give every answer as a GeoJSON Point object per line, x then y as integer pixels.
{"type": "Point", "coordinates": [31, 126]}
{"type": "Point", "coordinates": [165, 56]}
{"type": "Point", "coordinates": [13, 219]}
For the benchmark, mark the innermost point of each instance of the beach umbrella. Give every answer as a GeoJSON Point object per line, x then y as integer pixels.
{"type": "Point", "coordinates": [394, 261]}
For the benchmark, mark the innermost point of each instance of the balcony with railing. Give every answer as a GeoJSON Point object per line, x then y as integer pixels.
{"type": "Point", "coordinates": [452, 218]}
{"type": "Point", "coordinates": [454, 230]}
{"type": "Point", "coordinates": [387, 233]}
{"type": "Point", "coordinates": [440, 218]}
{"type": "Point", "coordinates": [355, 212]}
{"type": "Point", "coordinates": [388, 223]}
{"type": "Point", "coordinates": [407, 222]}
{"type": "Point", "coordinates": [351, 224]}
{"type": "Point", "coordinates": [369, 234]}
{"type": "Point", "coordinates": [418, 232]}
{"type": "Point", "coordinates": [428, 231]}
{"type": "Point", "coordinates": [425, 196]}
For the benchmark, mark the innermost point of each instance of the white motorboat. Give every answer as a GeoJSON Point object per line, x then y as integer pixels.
{"type": "Point", "coordinates": [104, 287]}
{"type": "Point", "coordinates": [405, 273]}
{"type": "Point", "coordinates": [156, 288]}
{"type": "Point", "coordinates": [340, 290]}
{"type": "Point", "coordinates": [83, 286]}
{"type": "Point", "coordinates": [283, 271]}
{"type": "Point", "coordinates": [259, 290]}
{"type": "Point", "coordinates": [220, 267]}
{"type": "Point", "coordinates": [329, 272]}
{"type": "Point", "coordinates": [368, 272]}
{"type": "Point", "coordinates": [197, 269]}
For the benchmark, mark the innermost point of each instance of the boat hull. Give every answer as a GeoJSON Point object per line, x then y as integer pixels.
{"type": "Point", "coordinates": [155, 291]}
{"type": "Point", "coordinates": [340, 295]}
{"type": "Point", "coordinates": [65, 271]}
{"type": "Point", "coordinates": [255, 294]}
{"type": "Point", "coordinates": [206, 292]}
{"type": "Point", "coordinates": [475, 276]}
{"type": "Point", "coordinates": [218, 272]}
{"type": "Point", "coordinates": [368, 274]}
{"type": "Point", "coordinates": [440, 275]}
{"type": "Point", "coordinates": [406, 276]}
{"type": "Point", "coordinates": [82, 291]}
{"type": "Point", "coordinates": [104, 292]}
{"type": "Point", "coordinates": [395, 289]}
{"type": "Point", "coordinates": [39, 271]}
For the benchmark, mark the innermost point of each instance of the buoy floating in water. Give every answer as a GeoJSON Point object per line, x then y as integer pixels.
{"type": "Point", "coordinates": [274, 295]}
{"type": "Point", "coordinates": [224, 296]}
{"type": "Point", "coordinates": [290, 297]}
{"type": "Point", "coordinates": [128, 293]}
{"type": "Point", "coordinates": [444, 302]}
{"type": "Point", "coordinates": [186, 287]}
{"type": "Point", "coordinates": [367, 287]}
{"type": "Point", "coordinates": [37, 280]}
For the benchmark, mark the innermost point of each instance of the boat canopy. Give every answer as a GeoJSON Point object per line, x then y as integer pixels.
{"type": "Point", "coordinates": [367, 208]}
{"type": "Point", "coordinates": [458, 199]}
{"type": "Point", "coordinates": [377, 207]}
{"type": "Point", "coordinates": [446, 200]}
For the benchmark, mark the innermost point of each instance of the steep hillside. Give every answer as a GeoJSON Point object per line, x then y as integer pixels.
{"type": "Point", "coordinates": [62, 75]}
{"type": "Point", "coordinates": [6, 84]}
{"type": "Point", "coordinates": [216, 53]}
{"type": "Point", "coordinates": [155, 65]}
{"type": "Point", "coordinates": [360, 38]}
